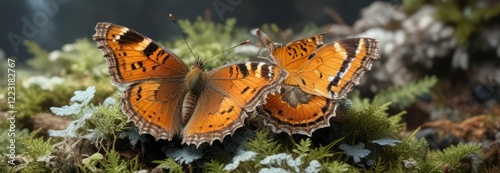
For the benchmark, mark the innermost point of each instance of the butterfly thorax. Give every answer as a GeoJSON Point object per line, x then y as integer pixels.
{"type": "Point", "coordinates": [195, 79]}
{"type": "Point", "coordinates": [195, 83]}
{"type": "Point", "coordinates": [293, 95]}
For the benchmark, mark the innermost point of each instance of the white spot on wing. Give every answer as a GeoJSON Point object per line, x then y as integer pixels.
{"type": "Point", "coordinates": [330, 78]}
{"type": "Point", "coordinates": [360, 45]}
{"type": "Point", "coordinates": [142, 45]}
{"type": "Point", "coordinates": [271, 72]}
{"type": "Point", "coordinates": [259, 70]}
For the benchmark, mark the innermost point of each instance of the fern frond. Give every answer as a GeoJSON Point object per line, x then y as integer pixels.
{"type": "Point", "coordinates": [262, 145]}
{"type": "Point", "coordinates": [453, 154]}
{"type": "Point", "coordinates": [337, 167]}
{"type": "Point", "coordinates": [303, 147]}
{"type": "Point", "coordinates": [113, 163]}
{"type": "Point", "coordinates": [36, 147]}
{"type": "Point", "coordinates": [169, 164]}
{"type": "Point", "coordinates": [403, 96]}
{"type": "Point", "coordinates": [322, 152]}
{"type": "Point", "coordinates": [213, 166]}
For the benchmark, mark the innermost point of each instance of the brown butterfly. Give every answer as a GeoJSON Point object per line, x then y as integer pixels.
{"type": "Point", "coordinates": [164, 98]}
{"type": "Point", "coordinates": [319, 74]}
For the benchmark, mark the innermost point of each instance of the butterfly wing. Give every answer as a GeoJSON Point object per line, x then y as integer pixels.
{"type": "Point", "coordinates": [230, 91]}
{"type": "Point", "coordinates": [333, 69]}
{"type": "Point", "coordinates": [152, 101]}
{"type": "Point", "coordinates": [302, 115]}
{"type": "Point", "coordinates": [294, 54]}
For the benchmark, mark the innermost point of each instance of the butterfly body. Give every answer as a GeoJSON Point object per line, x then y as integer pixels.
{"type": "Point", "coordinates": [164, 98]}
{"type": "Point", "coordinates": [319, 74]}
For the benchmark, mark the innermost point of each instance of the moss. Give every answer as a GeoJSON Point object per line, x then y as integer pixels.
{"type": "Point", "coordinates": [78, 65]}
{"type": "Point", "coordinates": [208, 39]}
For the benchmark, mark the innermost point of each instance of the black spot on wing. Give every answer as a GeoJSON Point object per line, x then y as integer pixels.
{"type": "Point", "coordinates": [243, 70]}
{"type": "Point", "coordinates": [325, 108]}
{"type": "Point", "coordinates": [139, 90]}
{"type": "Point", "coordinates": [265, 72]}
{"type": "Point", "coordinates": [254, 66]}
{"type": "Point", "coordinates": [231, 72]}
{"type": "Point", "coordinates": [311, 56]}
{"type": "Point", "coordinates": [150, 49]}
{"type": "Point", "coordinates": [130, 37]}
{"type": "Point", "coordinates": [245, 90]}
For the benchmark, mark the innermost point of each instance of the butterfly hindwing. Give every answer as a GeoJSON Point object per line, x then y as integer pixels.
{"type": "Point", "coordinates": [155, 106]}
{"type": "Point", "coordinates": [301, 115]}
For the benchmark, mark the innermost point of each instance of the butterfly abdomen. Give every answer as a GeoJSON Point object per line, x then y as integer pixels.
{"type": "Point", "coordinates": [195, 82]}
{"type": "Point", "coordinates": [188, 106]}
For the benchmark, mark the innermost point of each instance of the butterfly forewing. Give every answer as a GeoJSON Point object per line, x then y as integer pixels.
{"type": "Point", "coordinates": [335, 68]}
{"type": "Point", "coordinates": [133, 57]}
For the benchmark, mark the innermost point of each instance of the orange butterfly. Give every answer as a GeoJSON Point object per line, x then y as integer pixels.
{"type": "Point", "coordinates": [165, 98]}
{"type": "Point", "coordinates": [319, 74]}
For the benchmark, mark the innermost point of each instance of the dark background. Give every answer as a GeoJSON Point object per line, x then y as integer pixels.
{"type": "Point", "coordinates": [73, 19]}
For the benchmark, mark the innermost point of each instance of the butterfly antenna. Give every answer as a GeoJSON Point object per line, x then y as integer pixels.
{"type": "Point", "coordinates": [183, 38]}
{"type": "Point", "coordinates": [221, 52]}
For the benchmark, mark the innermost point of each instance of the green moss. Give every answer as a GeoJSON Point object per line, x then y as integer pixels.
{"type": "Point", "coordinates": [107, 121]}
{"type": "Point", "coordinates": [208, 39]}
{"type": "Point", "coordinates": [371, 123]}
{"type": "Point", "coordinates": [79, 65]}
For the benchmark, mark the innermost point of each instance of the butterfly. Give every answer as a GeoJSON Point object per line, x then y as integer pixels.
{"type": "Point", "coordinates": [319, 75]}
{"type": "Point", "coordinates": [164, 98]}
